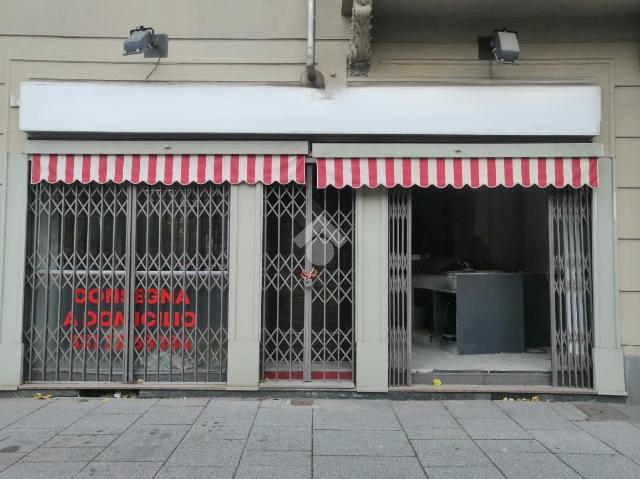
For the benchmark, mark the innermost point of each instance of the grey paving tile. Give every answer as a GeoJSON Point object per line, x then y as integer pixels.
{"type": "Point", "coordinates": [183, 402]}
{"type": "Point", "coordinates": [280, 439]}
{"type": "Point", "coordinates": [237, 421]}
{"type": "Point", "coordinates": [493, 428]}
{"type": "Point", "coordinates": [371, 405]}
{"type": "Point", "coordinates": [601, 466]}
{"type": "Point", "coordinates": [200, 450]}
{"type": "Point", "coordinates": [215, 430]}
{"type": "Point", "coordinates": [144, 443]}
{"type": "Point", "coordinates": [356, 443]}
{"type": "Point", "coordinates": [276, 458]}
{"type": "Point", "coordinates": [381, 420]}
{"type": "Point", "coordinates": [57, 415]}
{"type": "Point", "coordinates": [102, 424]}
{"type": "Point", "coordinates": [8, 458]}
{"type": "Point", "coordinates": [184, 472]}
{"type": "Point", "coordinates": [125, 406]}
{"type": "Point", "coordinates": [570, 441]}
{"type": "Point", "coordinates": [517, 445]}
{"type": "Point", "coordinates": [42, 470]}
{"type": "Point", "coordinates": [632, 411]}
{"type": "Point", "coordinates": [449, 453]}
{"type": "Point", "coordinates": [429, 414]}
{"type": "Point", "coordinates": [621, 436]}
{"type": "Point", "coordinates": [357, 467]}
{"type": "Point", "coordinates": [13, 409]}
{"type": "Point", "coordinates": [117, 470]}
{"type": "Point", "coordinates": [435, 433]}
{"type": "Point", "coordinates": [534, 415]}
{"type": "Point", "coordinates": [568, 411]}
{"type": "Point", "coordinates": [23, 440]}
{"type": "Point", "coordinates": [269, 472]}
{"type": "Point", "coordinates": [286, 416]}
{"type": "Point", "coordinates": [532, 466]}
{"type": "Point", "coordinates": [231, 408]}
{"type": "Point", "coordinates": [81, 440]}
{"type": "Point", "coordinates": [171, 415]}
{"type": "Point", "coordinates": [473, 409]}
{"type": "Point", "coordinates": [473, 472]}
{"type": "Point", "coordinates": [62, 454]}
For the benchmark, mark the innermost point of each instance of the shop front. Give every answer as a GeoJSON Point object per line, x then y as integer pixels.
{"type": "Point", "coordinates": [276, 263]}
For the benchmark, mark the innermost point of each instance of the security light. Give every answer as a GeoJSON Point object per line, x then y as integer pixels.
{"type": "Point", "coordinates": [504, 46]}
{"type": "Point", "coordinates": [145, 40]}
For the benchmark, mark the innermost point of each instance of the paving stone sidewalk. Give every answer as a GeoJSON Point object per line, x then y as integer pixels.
{"type": "Point", "coordinates": [324, 438]}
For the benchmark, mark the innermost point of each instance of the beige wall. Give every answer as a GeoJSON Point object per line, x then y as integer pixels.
{"type": "Point", "coordinates": [265, 41]}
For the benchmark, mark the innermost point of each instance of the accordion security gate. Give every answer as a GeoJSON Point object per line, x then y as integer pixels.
{"type": "Point", "coordinates": [126, 283]}
{"type": "Point", "coordinates": [400, 292]}
{"type": "Point", "coordinates": [308, 290]}
{"type": "Point", "coordinates": [571, 287]}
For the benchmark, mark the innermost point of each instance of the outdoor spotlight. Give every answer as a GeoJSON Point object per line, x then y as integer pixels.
{"type": "Point", "coordinates": [145, 40]}
{"type": "Point", "coordinates": [504, 46]}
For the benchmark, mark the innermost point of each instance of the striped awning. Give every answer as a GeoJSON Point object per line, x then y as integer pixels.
{"type": "Point", "coordinates": [168, 169]}
{"type": "Point", "coordinates": [457, 172]}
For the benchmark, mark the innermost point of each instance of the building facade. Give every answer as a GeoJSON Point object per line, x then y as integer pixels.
{"type": "Point", "coordinates": [216, 219]}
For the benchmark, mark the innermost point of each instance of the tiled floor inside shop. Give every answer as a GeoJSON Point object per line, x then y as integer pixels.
{"type": "Point", "coordinates": [322, 438]}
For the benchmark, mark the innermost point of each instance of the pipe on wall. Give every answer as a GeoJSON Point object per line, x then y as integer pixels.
{"type": "Point", "coordinates": [311, 42]}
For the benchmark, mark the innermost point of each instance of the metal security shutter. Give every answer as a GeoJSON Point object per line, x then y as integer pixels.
{"type": "Point", "coordinates": [308, 331]}
{"type": "Point", "coordinates": [126, 282]}
{"type": "Point", "coordinates": [400, 301]}
{"type": "Point", "coordinates": [571, 287]}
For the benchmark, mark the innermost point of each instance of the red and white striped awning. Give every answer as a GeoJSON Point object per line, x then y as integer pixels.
{"type": "Point", "coordinates": [457, 172]}
{"type": "Point", "coordinates": [168, 169]}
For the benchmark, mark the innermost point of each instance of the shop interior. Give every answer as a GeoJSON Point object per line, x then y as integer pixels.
{"type": "Point", "coordinates": [480, 263]}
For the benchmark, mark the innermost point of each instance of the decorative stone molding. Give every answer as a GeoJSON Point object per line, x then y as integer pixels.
{"type": "Point", "coordinates": [359, 54]}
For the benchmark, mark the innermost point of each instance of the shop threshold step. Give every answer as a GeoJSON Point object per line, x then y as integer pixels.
{"type": "Point", "coordinates": [489, 378]}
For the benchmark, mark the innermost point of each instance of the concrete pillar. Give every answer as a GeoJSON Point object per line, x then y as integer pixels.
{"type": "Point", "coordinates": [608, 368]}
{"type": "Point", "coordinates": [245, 279]}
{"type": "Point", "coordinates": [372, 274]}
{"type": "Point", "coordinates": [13, 234]}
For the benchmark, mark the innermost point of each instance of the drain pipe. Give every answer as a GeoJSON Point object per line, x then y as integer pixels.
{"type": "Point", "coordinates": [311, 41]}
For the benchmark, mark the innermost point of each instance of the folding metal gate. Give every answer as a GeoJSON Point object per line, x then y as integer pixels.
{"type": "Point", "coordinates": [400, 300]}
{"type": "Point", "coordinates": [571, 287]}
{"type": "Point", "coordinates": [126, 282]}
{"type": "Point", "coordinates": [308, 283]}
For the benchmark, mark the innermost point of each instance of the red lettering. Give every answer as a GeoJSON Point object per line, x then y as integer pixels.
{"type": "Point", "coordinates": [105, 319]}
{"type": "Point", "coordinates": [94, 295]}
{"type": "Point", "coordinates": [152, 296]}
{"type": "Point", "coordinates": [119, 320]}
{"type": "Point", "coordinates": [149, 323]}
{"type": "Point", "coordinates": [81, 295]}
{"type": "Point", "coordinates": [187, 345]}
{"type": "Point", "coordinates": [165, 296]}
{"type": "Point", "coordinates": [69, 320]}
{"type": "Point", "coordinates": [182, 297]}
{"type": "Point", "coordinates": [165, 319]}
{"type": "Point", "coordinates": [91, 319]}
{"type": "Point", "coordinates": [189, 319]}
{"type": "Point", "coordinates": [119, 342]}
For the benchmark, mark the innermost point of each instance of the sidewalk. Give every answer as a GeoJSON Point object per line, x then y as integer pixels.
{"type": "Point", "coordinates": [325, 438]}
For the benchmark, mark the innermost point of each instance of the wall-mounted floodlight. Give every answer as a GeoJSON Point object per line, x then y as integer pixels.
{"type": "Point", "coordinates": [145, 40]}
{"type": "Point", "coordinates": [504, 46]}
